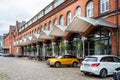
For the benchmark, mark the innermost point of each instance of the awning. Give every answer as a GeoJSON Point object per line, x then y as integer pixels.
{"type": "Point", "coordinates": [20, 42]}
{"type": "Point", "coordinates": [26, 41]}
{"type": "Point", "coordinates": [58, 31]}
{"type": "Point", "coordinates": [15, 43]}
{"type": "Point", "coordinates": [32, 39]}
{"type": "Point", "coordinates": [81, 24]}
{"type": "Point", "coordinates": [45, 34]}
{"type": "Point", "coordinates": [5, 47]}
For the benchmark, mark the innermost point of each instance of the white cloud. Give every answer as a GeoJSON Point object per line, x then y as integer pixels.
{"type": "Point", "coordinates": [21, 10]}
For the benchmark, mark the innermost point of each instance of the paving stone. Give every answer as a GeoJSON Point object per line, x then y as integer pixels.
{"type": "Point", "coordinates": [24, 69]}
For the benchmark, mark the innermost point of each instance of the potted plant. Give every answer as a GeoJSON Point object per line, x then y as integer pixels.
{"type": "Point", "coordinates": [99, 47]}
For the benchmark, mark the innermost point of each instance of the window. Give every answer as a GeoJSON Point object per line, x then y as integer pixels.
{"type": "Point", "coordinates": [38, 30]}
{"type": "Point", "coordinates": [50, 25]}
{"type": "Point", "coordinates": [48, 9]}
{"type": "Point", "coordinates": [104, 6]}
{"type": "Point", "coordinates": [90, 9]}
{"type": "Point", "coordinates": [46, 27]}
{"type": "Point", "coordinates": [58, 2]}
{"type": "Point", "coordinates": [55, 22]}
{"type": "Point", "coordinates": [91, 59]}
{"type": "Point", "coordinates": [107, 59]}
{"type": "Point", "coordinates": [40, 14]}
{"type": "Point", "coordinates": [116, 59]}
{"type": "Point", "coordinates": [61, 20]}
{"type": "Point", "coordinates": [42, 28]}
{"type": "Point", "coordinates": [69, 18]}
{"type": "Point", "coordinates": [78, 11]}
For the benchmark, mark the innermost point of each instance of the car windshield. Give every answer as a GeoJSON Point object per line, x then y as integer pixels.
{"type": "Point", "coordinates": [91, 59]}
{"type": "Point", "coordinates": [60, 57]}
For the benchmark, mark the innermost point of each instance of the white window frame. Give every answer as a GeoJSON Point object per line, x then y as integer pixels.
{"type": "Point", "coordinates": [48, 9]}
{"type": "Point", "coordinates": [50, 26]}
{"type": "Point", "coordinates": [78, 11]}
{"type": "Point", "coordinates": [46, 27]}
{"type": "Point", "coordinates": [90, 9]}
{"type": "Point", "coordinates": [55, 22]}
{"type": "Point", "coordinates": [38, 30]}
{"type": "Point", "coordinates": [62, 20]}
{"type": "Point", "coordinates": [69, 18]}
{"type": "Point", "coordinates": [104, 6]}
{"type": "Point", "coordinates": [58, 2]}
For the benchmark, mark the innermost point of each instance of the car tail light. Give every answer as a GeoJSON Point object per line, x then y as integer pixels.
{"type": "Point", "coordinates": [95, 64]}
{"type": "Point", "coordinates": [81, 63]}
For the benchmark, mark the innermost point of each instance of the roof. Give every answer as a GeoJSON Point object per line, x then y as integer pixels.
{"type": "Point", "coordinates": [20, 24]}
{"type": "Point", "coordinates": [11, 28]}
{"type": "Point", "coordinates": [81, 24]}
{"type": "Point", "coordinates": [45, 35]}
{"type": "Point", "coordinates": [99, 55]}
{"type": "Point", "coordinates": [5, 47]}
{"type": "Point", "coordinates": [58, 31]}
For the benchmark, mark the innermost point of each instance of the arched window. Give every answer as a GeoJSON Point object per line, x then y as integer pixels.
{"type": "Point", "coordinates": [38, 30]}
{"type": "Point", "coordinates": [78, 11]}
{"type": "Point", "coordinates": [104, 6]}
{"type": "Point", "coordinates": [42, 28]}
{"type": "Point", "coordinates": [90, 9]}
{"type": "Point", "coordinates": [69, 18]}
{"type": "Point", "coordinates": [50, 25]}
{"type": "Point", "coordinates": [45, 27]}
{"type": "Point", "coordinates": [32, 32]}
{"type": "Point", "coordinates": [35, 31]}
{"type": "Point", "coordinates": [55, 22]}
{"type": "Point", "coordinates": [62, 20]}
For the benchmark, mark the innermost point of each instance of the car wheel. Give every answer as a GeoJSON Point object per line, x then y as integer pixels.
{"type": "Point", "coordinates": [74, 64]}
{"type": "Point", "coordinates": [86, 73]}
{"type": "Point", "coordinates": [51, 65]}
{"type": "Point", "coordinates": [103, 73]}
{"type": "Point", "coordinates": [57, 64]}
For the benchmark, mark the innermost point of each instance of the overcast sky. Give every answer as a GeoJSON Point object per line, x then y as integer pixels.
{"type": "Point", "coordinates": [21, 10]}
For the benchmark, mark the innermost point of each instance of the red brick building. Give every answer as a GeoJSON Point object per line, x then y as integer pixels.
{"type": "Point", "coordinates": [78, 27]}
{"type": "Point", "coordinates": [11, 37]}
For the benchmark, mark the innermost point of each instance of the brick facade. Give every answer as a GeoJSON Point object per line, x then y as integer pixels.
{"type": "Point", "coordinates": [63, 9]}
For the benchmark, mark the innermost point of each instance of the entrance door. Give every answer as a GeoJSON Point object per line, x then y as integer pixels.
{"type": "Point", "coordinates": [100, 41]}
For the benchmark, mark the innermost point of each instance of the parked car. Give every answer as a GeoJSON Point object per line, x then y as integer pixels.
{"type": "Point", "coordinates": [7, 55]}
{"type": "Point", "coordinates": [63, 60]}
{"type": "Point", "coordinates": [101, 65]}
{"type": "Point", "coordinates": [116, 74]}
{"type": "Point", "coordinates": [19, 55]}
{"type": "Point", "coordinates": [1, 54]}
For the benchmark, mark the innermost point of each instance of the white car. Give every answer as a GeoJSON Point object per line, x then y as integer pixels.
{"type": "Point", "coordinates": [101, 65]}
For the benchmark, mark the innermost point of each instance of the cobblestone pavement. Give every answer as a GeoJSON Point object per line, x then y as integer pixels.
{"type": "Point", "coordinates": [23, 69]}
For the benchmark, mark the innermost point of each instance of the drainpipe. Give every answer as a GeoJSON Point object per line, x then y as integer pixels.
{"type": "Point", "coordinates": [117, 32]}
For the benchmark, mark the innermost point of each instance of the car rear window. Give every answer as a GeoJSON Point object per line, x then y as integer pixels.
{"type": "Point", "coordinates": [91, 59]}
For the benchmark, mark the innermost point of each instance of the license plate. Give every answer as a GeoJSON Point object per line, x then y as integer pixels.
{"type": "Point", "coordinates": [86, 65]}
